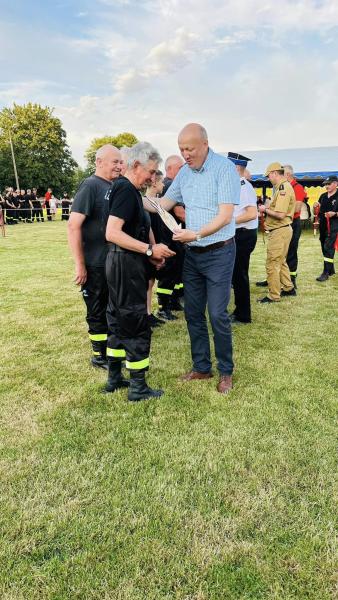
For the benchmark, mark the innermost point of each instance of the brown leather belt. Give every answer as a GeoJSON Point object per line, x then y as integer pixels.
{"type": "Point", "coordinates": [201, 249]}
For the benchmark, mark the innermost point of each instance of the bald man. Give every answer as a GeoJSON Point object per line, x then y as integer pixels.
{"type": "Point", "coordinates": [209, 186]}
{"type": "Point", "coordinates": [86, 236]}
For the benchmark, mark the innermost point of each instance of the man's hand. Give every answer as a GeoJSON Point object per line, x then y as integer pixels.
{"type": "Point", "coordinates": [184, 235]}
{"type": "Point", "coordinates": [162, 251]}
{"type": "Point", "coordinates": [157, 262]}
{"type": "Point", "coordinates": [330, 214]}
{"type": "Point", "coordinates": [80, 274]}
{"type": "Point", "coordinates": [262, 208]}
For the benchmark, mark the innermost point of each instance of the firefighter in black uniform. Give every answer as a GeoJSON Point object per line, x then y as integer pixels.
{"type": "Point", "coordinates": [170, 277]}
{"type": "Point", "coordinates": [28, 206]}
{"type": "Point", "coordinates": [65, 204]}
{"type": "Point", "coordinates": [127, 263]}
{"type": "Point", "coordinates": [328, 225]}
{"type": "Point", "coordinates": [86, 235]}
{"type": "Point", "coordinates": [10, 209]}
{"type": "Point", "coordinates": [36, 210]}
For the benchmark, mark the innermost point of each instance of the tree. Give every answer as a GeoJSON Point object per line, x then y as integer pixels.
{"type": "Point", "coordinates": [120, 140]}
{"type": "Point", "coordinates": [42, 155]}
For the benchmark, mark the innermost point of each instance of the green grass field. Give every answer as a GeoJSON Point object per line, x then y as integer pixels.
{"type": "Point", "coordinates": [193, 496]}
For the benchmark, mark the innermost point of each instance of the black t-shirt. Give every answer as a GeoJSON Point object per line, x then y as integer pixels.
{"type": "Point", "coordinates": [91, 200]}
{"type": "Point", "coordinates": [126, 203]}
{"type": "Point", "coordinates": [326, 205]}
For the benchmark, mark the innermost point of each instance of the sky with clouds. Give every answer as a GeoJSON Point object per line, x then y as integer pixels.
{"type": "Point", "coordinates": [256, 73]}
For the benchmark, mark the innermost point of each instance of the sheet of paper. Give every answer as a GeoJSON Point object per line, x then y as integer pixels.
{"type": "Point", "coordinates": [166, 217]}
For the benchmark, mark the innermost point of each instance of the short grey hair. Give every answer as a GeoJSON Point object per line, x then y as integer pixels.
{"type": "Point", "coordinates": [125, 150]}
{"type": "Point", "coordinates": [288, 169]}
{"type": "Point", "coordinates": [142, 152]}
{"type": "Point", "coordinates": [100, 153]}
{"type": "Point", "coordinates": [173, 159]}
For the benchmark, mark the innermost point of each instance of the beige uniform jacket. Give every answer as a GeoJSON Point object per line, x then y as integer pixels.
{"type": "Point", "coordinates": [283, 200]}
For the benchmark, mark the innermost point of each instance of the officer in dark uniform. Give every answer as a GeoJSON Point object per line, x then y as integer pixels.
{"type": "Point", "coordinates": [328, 225]}
{"type": "Point", "coordinates": [86, 235]}
{"type": "Point", "coordinates": [246, 219]}
{"type": "Point", "coordinates": [127, 262]}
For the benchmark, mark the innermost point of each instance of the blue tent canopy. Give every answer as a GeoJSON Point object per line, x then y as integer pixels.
{"type": "Point", "coordinates": [306, 178]}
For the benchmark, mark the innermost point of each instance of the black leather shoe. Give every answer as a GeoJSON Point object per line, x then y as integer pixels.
{"type": "Point", "coordinates": [323, 277]}
{"type": "Point", "coordinates": [265, 300]}
{"type": "Point", "coordinates": [289, 293]}
{"type": "Point", "coordinates": [99, 362]}
{"type": "Point", "coordinates": [262, 283]}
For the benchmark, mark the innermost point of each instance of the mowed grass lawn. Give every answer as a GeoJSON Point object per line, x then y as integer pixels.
{"type": "Point", "coordinates": [192, 496]}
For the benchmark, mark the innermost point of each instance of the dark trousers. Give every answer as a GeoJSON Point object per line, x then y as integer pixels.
{"type": "Point", "coordinates": [95, 295]}
{"type": "Point", "coordinates": [49, 216]}
{"type": "Point", "coordinates": [292, 256]}
{"type": "Point", "coordinates": [207, 281]}
{"type": "Point", "coordinates": [129, 331]}
{"type": "Point", "coordinates": [170, 275]}
{"type": "Point", "coordinates": [245, 244]}
{"type": "Point", "coordinates": [327, 242]}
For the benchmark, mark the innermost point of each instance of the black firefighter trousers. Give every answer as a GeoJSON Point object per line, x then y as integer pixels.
{"type": "Point", "coordinates": [292, 255]}
{"type": "Point", "coordinates": [95, 295]}
{"type": "Point", "coordinates": [129, 331]}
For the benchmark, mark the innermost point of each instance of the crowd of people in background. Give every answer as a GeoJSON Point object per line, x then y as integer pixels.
{"type": "Point", "coordinates": [27, 206]}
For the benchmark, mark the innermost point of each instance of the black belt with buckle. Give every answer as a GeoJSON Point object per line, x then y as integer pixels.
{"type": "Point", "coordinates": [201, 249]}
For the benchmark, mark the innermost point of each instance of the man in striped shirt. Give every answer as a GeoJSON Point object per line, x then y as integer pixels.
{"type": "Point", "coordinates": [209, 187]}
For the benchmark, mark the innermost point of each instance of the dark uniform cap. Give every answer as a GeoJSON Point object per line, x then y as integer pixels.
{"type": "Point", "coordinates": [330, 179]}
{"type": "Point", "coordinates": [238, 159]}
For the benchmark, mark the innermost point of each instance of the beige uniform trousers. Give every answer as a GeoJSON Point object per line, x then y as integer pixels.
{"type": "Point", "coordinates": [277, 271]}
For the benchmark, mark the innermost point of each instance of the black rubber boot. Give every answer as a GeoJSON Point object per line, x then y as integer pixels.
{"type": "Point", "coordinates": [139, 390]}
{"type": "Point", "coordinates": [115, 380]}
{"type": "Point", "coordinates": [323, 277]}
{"type": "Point", "coordinates": [99, 358]}
{"type": "Point", "coordinates": [166, 314]}
{"type": "Point", "coordinates": [175, 304]}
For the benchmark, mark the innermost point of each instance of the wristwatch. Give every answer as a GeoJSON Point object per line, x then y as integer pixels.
{"type": "Point", "coordinates": [149, 251]}
{"type": "Point", "coordinates": [198, 237]}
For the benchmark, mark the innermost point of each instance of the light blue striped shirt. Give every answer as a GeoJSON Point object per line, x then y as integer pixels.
{"type": "Point", "coordinates": [203, 190]}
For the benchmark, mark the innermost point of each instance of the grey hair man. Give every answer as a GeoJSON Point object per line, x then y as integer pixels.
{"type": "Point", "coordinates": [130, 250]}
{"type": "Point", "coordinates": [87, 241]}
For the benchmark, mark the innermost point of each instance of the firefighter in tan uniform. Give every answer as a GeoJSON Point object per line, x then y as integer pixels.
{"type": "Point", "coordinates": [278, 219]}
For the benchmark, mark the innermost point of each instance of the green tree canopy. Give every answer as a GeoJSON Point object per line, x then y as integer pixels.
{"type": "Point", "coordinates": [119, 140]}
{"type": "Point", "coordinates": [42, 155]}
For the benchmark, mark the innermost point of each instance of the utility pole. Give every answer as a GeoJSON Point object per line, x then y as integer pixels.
{"type": "Point", "coordinates": [14, 163]}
